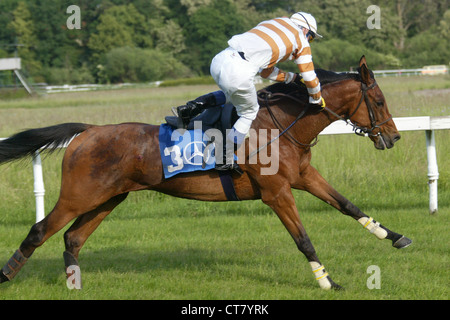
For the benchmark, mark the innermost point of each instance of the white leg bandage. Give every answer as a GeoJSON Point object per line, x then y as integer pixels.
{"type": "Point", "coordinates": [320, 274]}
{"type": "Point", "coordinates": [373, 227]}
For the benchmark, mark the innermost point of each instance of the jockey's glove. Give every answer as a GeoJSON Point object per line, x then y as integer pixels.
{"type": "Point", "coordinates": [298, 80]}
{"type": "Point", "coordinates": [289, 77]}
{"type": "Point", "coordinates": [318, 105]}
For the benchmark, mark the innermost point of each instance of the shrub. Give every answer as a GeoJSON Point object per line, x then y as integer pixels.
{"type": "Point", "coordinates": [128, 64]}
{"type": "Point", "coordinates": [339, 55]}
{"type": "Point", "coordinates": [59, 76]}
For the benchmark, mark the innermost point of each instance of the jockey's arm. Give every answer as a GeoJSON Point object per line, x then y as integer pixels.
{"type": "Point", "coordinates": [306, 68]}
{"type": "Point", "coordinates": [276, 74]}
{"type": "Point", "coordinates": [308, 77]}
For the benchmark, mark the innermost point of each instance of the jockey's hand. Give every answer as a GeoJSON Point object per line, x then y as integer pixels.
{"type": "Point", "coordinates": [298, 80]}
{"type": "Point", "coordinates": [318, 105]}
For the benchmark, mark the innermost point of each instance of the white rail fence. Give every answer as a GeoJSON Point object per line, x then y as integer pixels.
{"type": "Point", "coordinates": [399, 72]}
{"type": "Point", "coordinates": [91, 87]}
{"type": "Point", "coordinates": [427, 124]}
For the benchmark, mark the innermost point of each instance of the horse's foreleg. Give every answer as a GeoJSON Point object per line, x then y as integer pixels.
{"type": "Point", "coordinates": [314, 183]}
{"type": "Point", "coordinates": [281, 200]}
{"type": "Point", "coordinates": [81, 229]}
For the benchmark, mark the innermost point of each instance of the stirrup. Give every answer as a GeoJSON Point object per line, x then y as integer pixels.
{"type": "Point", "coordinates": [229, 167]}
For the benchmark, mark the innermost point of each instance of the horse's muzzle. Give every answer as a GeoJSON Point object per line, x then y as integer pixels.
{"type": "Point", "coordinates": [385, 140]}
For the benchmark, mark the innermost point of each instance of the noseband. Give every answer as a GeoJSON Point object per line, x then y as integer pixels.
{"type": "Point", "coordinates": [359, 130]}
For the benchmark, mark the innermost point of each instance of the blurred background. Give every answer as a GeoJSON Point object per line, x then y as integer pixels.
{"type": "Point", "coordinates": [153, 40]}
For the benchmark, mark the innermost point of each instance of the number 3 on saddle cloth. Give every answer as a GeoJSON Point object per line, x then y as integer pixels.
{"type": "Point", "coordinates": [191, 150]}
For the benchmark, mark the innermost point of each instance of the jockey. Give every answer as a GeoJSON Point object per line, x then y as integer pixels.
{"type": "Point", "coordinates": [258, 51]}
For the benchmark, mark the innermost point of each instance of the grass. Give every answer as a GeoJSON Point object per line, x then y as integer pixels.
{"type": "Point", "coordinates": [155, 246]}
{"type": "Point", "coordinates": [246, 257]}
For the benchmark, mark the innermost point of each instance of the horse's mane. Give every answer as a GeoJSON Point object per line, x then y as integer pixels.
{"type": "Point", "coordinates": [325, 77]}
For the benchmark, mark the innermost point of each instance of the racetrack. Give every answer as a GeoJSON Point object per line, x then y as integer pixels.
{"type": "Point", "coordinates": [157, 247]}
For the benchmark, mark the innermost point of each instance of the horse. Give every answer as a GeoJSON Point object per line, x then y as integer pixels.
{"type": "Point", "coordinates": [102, 164]}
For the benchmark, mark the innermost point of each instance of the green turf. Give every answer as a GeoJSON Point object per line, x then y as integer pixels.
{"type": "Point", "coordinates": [155, 246]}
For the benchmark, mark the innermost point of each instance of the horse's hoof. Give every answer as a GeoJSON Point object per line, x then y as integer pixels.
{"type": "Point", "coordinates": [335, 286]}
{"type": "Point", "coordinates": [403, 242]}
{"type": "Point", "coordinates": [3, 278]}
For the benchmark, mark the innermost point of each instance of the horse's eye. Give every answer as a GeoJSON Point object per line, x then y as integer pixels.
{"type": "Point", "coordinates": [380, 103]}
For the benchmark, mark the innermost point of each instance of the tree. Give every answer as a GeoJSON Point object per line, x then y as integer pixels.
{"type": "Point", "coordinates": [444, 26]}
{"type": "Point", "coordinates": [110, 34]}
{"type": "Point", "coordinates": [23, 28]}
{"type": "Point", "coordinates": [119, 26]}
{"type": "Point", "coordinates": [209, 29]}
{"type": "Point", "coordinates": [413, 33]}
{"type": "Point", "coordinates": [6, 34]}
{"type": "Point", "coordinates": [194, 5]}
{"type": "Point", "coordinates": [290, 6]}
{"type": "Point", "coordinates": [341, 55]}
{"type": "Point", "coordinates": [429, 47]}
{"type": "Point", "coordinates": [413, 17]}
{"type": "Point", "coordinates": [169, 37]}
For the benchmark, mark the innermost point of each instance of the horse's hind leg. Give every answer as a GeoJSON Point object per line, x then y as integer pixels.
{"type": "Point", "coordinates": [315, 184]}
{"type": "Point", "coordinates": [38, 234]}
{"type": "Point", "coordinates": [81, 229]}
{"type": "Point", "coordinates": [64, 211]}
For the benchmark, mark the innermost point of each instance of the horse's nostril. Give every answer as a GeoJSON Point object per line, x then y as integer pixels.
{"type": "Point", "coordinates": [396, 138]}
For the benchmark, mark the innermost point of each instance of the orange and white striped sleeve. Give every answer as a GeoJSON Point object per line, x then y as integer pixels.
{"type": "Point", "coordinates": [306, 67]}
{"type": "Point", "coordinates": [276, 74]}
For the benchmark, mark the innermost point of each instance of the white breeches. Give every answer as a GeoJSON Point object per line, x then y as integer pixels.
{"type": "Point", "coordinates": [235, 77]}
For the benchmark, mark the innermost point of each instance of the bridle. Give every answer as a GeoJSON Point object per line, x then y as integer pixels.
{"type": "Point", "coordinates": [359, 130]}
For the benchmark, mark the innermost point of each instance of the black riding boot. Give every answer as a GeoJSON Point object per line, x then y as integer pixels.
{"type": "Point", "coordinates": [195, 107]}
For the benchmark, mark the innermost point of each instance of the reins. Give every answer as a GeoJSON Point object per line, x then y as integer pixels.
{"type": "Point", "coordinates": [269, 97]}
{"type": "Point", "coordinates": [363, 131]}
{"type": "Point", "coordinates": [278, 96]}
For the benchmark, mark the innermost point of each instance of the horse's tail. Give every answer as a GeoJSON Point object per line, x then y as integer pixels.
{"type": "Point", "coordinates": [26, 143]}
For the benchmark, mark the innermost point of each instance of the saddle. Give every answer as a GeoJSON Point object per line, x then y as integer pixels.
{"type": "Point", "coordinates": [220, 117]}
{"type": "Point", "coordinates": [224, 117]}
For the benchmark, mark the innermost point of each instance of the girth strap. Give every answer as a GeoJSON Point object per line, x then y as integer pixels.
{"type": "Point", "coordinates": [228, 185]}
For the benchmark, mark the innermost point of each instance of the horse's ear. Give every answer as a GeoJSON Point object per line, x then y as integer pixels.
{"type": "Point", "coordinates": [364, 71]}
{"type": "Point", "coordinates": [362, 61]}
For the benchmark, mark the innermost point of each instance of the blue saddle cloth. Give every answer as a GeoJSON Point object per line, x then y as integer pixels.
{"type": "Point", "coordinates": [184, 150]}
{"type": "Point", "coordinates": [189, 150]}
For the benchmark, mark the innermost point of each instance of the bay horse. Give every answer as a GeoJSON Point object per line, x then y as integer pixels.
{"type": "Point", "coordinates": [102, 164]}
